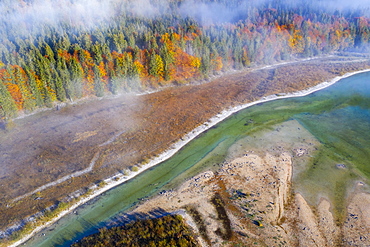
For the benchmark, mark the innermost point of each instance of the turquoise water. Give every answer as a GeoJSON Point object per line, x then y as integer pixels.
{"type": "Point", "coordinates": [338, 116]}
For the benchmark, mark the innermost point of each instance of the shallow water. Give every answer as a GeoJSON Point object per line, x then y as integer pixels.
{"type": "Point", "coordinates": [338, 117]}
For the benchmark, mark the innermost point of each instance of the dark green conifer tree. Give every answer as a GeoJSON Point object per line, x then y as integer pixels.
{"type": "Point", "coordinates": [8, 108]}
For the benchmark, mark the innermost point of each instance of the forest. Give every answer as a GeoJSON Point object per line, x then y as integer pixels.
{"type": "Point", "coordinates": [45, 61]}
{"type": "Point", "coordinates": [169, 230]}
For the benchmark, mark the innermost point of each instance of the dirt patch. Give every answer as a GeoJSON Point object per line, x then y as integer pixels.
{"type": "Point", "coordinates": [246, 195]}
{"type": "Point", "coordinates": [356, 231]}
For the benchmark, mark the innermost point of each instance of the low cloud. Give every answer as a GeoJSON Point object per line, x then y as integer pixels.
{"type": "Point", "coordinates": [32, 15]}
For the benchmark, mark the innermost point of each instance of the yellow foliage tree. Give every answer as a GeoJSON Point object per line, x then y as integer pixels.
{"type": "Point", "coordinates": [296, 42]}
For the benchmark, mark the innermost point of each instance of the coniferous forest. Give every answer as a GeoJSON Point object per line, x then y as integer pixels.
{"type": "Point", "coordinates": [168, 230]}
{"type": "Point", "coordinates": [151, 44]}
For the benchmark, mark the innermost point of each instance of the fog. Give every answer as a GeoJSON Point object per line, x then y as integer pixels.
{"type": "Point", "coordinates": [46, 12]}
{"type": "Point", "coordinates": [32, 15]}
{"type": "Point", "coordinates": [211, 12]}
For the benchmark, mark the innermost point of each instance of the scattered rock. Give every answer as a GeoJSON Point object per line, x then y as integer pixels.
{"type": "Point", "coordinates": [341, 166]}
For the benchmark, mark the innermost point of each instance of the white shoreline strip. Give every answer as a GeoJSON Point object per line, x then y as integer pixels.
{"type": "Point", "coordinates": [181, 143]}
{"type": "Point", "coordinates": [91, 166]}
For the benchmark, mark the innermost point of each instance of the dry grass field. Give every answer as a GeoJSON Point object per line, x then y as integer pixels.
{"type": "Point", "coordinates": [48, 156]}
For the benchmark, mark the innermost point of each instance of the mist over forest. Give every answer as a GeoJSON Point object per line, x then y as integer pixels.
{"type": "Point", "coordinates": [57, 51]}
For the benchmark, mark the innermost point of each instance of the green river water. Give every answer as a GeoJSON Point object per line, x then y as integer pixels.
{"type": "Point", "coordinates": [338, 117]}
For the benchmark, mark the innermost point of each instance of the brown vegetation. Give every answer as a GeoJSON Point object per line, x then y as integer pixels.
{"type": "Point", "coordinates": [117, 133]}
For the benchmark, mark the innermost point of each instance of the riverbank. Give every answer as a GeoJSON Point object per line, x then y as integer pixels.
{"type": "Point", "coordinates": [191, 135]}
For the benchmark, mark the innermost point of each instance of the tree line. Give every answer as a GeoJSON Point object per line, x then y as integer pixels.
{"type": "Point", "coordinates": [135, 53]}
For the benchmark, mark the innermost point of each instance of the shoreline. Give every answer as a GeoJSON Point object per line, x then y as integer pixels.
{"type": "Point", "coordinates": [92, 99]}
{"type": "Point", "coordinates": [173, 149]}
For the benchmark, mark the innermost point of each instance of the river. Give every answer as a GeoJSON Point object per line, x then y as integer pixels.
{"type": "Point", "coordinates": [338, 116]}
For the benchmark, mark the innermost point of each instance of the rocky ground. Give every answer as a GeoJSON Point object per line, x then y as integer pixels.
{"type": "Point", "coordinates": [48, 156]}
